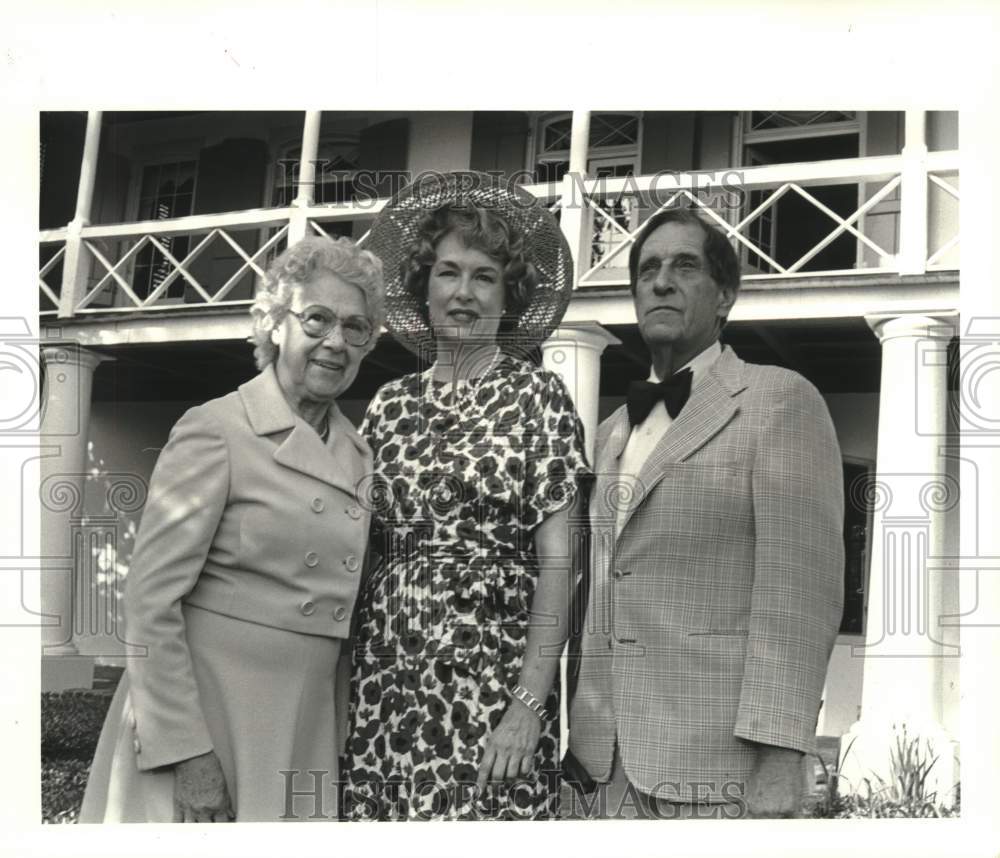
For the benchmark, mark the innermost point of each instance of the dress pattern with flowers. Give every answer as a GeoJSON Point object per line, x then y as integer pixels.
{"type": "Point", "coordinates": [463, 475]}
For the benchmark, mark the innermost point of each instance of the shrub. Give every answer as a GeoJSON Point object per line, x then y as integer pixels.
{"type": "Point", "coordinates": [71, 723]}
{"type": "Point", "coordinates": [71, 726]}
{"type": "Point", "coordinates": [63, 782]}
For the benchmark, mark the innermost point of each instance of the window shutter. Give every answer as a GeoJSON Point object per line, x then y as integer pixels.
{"type": "Point", "coordinates": [230, 176]}
{"type": "Point", "coordinates": [384, 149]}
{"type": "Point", "coordinates": [499, 138]}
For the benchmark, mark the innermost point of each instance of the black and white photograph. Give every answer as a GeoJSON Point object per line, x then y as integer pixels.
{"type": "Point", "coordinates": [507, 455]}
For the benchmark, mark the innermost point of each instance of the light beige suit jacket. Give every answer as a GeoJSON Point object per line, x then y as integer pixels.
{"type": "Point", "coordinates": [713, 611]}
{"type": "Point", "coordinates": [248, 515]}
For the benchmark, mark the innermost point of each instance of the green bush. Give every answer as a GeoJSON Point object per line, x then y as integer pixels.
{"type": "Point", "coordinates": [63, 783]}
{"type": "Point", "coordinates": [71, 723]}
{"type": "Point", "coordinates": [71, 726]}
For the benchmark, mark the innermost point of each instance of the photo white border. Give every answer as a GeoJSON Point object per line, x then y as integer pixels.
{"type": "Point", "coordinates": [523, 55]}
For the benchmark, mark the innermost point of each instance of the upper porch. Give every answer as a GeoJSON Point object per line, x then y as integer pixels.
{"type": "Point", "coordinates": [177, 215]}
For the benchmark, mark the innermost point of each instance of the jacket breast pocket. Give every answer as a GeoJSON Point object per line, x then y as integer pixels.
{"type": "Point", "coordinates": [706, 500]}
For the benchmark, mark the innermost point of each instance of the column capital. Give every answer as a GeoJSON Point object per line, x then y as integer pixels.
{"type": "Point", "coordinates": [72, 354]}
{"type": "Point", "coordinates": [589, 335]}
{"type": "Point", "coordinates": [932, 324]}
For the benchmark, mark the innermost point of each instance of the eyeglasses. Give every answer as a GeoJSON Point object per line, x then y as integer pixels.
{"type": "Point", "coordinates": [317, 321]}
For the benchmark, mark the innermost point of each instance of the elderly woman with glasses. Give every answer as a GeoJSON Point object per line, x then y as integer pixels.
{"type": "Point", "coordinates": [246, 570]}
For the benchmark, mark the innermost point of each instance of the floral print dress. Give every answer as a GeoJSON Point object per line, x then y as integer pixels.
{"type": "Point", "coordinates": [464, 474]}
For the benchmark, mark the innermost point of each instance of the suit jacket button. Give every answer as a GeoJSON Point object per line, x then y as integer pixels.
{"type": "Point", "coordinates": [619, 574]}
{"type": "Point", "coordinates": [318, 505]}
{"type": "Point", "coordinates": [136, 746]}
{"type": "Point", "coordinates": [308, 608]}
{"type": "Point", "coordinates": [340, 613]}
{"type": "Point", "coordinates": [351, 562]}
{"type": "Point", "coordinates": [354, 512]}
{"type": "Point", "coordinates": [312, 559]}
{"type": "Point", "coordinates": [131, 720]}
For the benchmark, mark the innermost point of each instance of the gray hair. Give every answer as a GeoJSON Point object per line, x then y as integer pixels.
{"type": "Point", "coordinates": [299, 264]}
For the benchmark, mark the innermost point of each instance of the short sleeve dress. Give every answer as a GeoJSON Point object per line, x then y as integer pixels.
{"type": "Point", "coordinates": [463, 476]}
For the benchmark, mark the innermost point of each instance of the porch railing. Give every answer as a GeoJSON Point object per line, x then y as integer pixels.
{"type": "Point", "coordinates": [215, 260]}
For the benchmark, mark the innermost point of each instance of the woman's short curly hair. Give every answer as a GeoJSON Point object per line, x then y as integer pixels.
{"type": "Point", "coordinates": [299, 264]}
{"type": "Point", "coordinates": [479, 229]}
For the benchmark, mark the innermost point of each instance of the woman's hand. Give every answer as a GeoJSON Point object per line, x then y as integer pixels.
{"type": "Point", "coordinates": [200, 793]}
{"type": "Point", "coordinates": [510, 749]}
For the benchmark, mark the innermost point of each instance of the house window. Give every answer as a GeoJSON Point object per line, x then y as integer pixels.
{"type": "Point", "coordinates": [612, 152]}
{"type": "Point", "coordinates": [857, 555]}
{"type": "Point", "coordinates": [768, 120]}
{"type": "Point", "coordinates": [337, 164]}
{"type": "Point", "coordinates": [788, 229]}
{"type": "Point", "coordinates": [166, 191]}
{"type": "Point", "coordinates": [611, 134]}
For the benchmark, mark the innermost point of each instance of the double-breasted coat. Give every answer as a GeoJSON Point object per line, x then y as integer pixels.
{"type": "Point", "coordinates": [250, 518]}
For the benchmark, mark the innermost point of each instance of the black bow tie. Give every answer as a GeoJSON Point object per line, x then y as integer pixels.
{"type": "Point", "coordinates": [643, 395]}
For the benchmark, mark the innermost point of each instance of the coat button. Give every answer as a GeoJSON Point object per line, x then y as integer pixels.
{"type": "Point", "coordinates": [351, 562]}
{"type": "Point", "coordinates": [618, 574]}
{"type": "Point", "coordinates": [354, 512]}
{"type": "Point", "coordinates": [318, 505]}
{"type": "Point", "coordinates": [340, 613]}
{"type": "Point", "coordinates": [136, 746]}
{"type": "Point", "coordinates": [308, 607]}
{"type": "Point", "coordinates": [312, 559]}
{"type": "Point", "coordinates": [131, 720]}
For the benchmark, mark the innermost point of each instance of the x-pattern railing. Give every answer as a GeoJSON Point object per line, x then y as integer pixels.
{"type": "Point", "coordinates": [735, 231]}
{"type": "Point", "coordinates": [46, 290]}
{"type": "Point", "coordinates": [610, 233]}
{"type": "Point", "coordinates": [942, 252]}
{"type": "Point", "coordinates": [615, 239]}
{"type": "Point", "coordinates": [115, 271]}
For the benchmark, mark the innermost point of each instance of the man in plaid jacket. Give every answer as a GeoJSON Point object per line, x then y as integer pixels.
{"type": "Point", "coordinates": [717, 565]}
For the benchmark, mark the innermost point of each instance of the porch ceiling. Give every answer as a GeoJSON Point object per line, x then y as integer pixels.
{"type": "Point", "coordinates": [837, 355]}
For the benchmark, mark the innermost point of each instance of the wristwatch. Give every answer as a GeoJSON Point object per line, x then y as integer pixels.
{"type": "Point", "coordinates": [519, 692]}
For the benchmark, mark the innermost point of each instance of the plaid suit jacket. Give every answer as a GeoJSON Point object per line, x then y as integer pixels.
{"type": "Point", "coordinates": [713, 612]}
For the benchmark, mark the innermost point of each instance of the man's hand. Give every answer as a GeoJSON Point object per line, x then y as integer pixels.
{"type": "Point", "coordinates": [200, 793]}
{"type": "Point", "coordinates": [775, 786]}
{"type": "Point", "coordinates": [510, 750]}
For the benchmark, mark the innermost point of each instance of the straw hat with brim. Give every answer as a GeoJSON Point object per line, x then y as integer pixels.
{"type": "Point", "coordinates": [395, 232]}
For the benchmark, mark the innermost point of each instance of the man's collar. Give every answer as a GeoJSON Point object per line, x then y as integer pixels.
{"type": "Point", "coordinates": [698, 365]}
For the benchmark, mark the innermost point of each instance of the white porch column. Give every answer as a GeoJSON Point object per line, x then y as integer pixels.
{"type": "Point", "coordinates": [574, 352]}
{"type": "Point", "coordinates": [904, 650]}
{"type": "Point", "coordinates": [298, 226]}
{"type": "Point", "coordinates": [913, 214]}
{"type": "Point", "coordinates": [575, 217]}
{"type": "Point", "coordinates": [69, 374]}
{"type": "Point", "coordinates": [74, 278]}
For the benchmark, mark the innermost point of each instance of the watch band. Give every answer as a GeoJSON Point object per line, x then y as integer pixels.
{"type": "Point", "coordinates": [521, 693]}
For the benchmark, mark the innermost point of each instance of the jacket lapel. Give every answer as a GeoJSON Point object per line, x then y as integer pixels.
{"type": "Point", "coordinates": [711, 406]}
{"type": "Point", "coordinates": [300, 448]}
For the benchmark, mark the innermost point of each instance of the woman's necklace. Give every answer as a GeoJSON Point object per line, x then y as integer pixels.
{"type": "Point", "coordinates": [460, 388]}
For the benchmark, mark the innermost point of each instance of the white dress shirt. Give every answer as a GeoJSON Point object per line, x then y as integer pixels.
{"type": "Point", "coordinates": [646, 435]}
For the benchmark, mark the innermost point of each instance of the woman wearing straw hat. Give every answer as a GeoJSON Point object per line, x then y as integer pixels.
{"type": "Point", "coordinates": [478, 465]}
